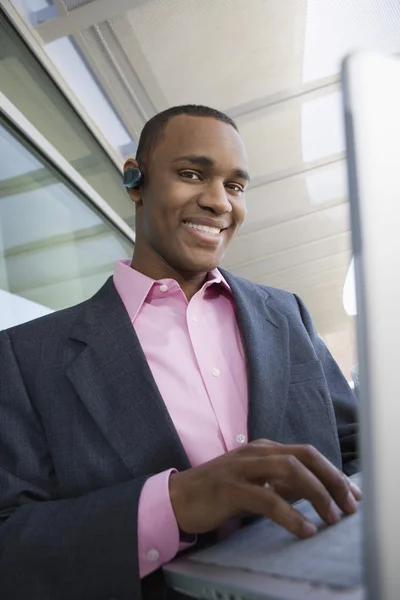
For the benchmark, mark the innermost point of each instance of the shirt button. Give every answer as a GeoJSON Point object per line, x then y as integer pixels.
{"type": "Point", "coordinates": [194, 319]}
{"type": "Point", "coordinates": [215, 372]}
{"type": "Point", "coordinates": [240, 438]}
{"type": "Point", "coordinates": [153, 555]}
{"type": "Point", "coordinates": [163, 288]}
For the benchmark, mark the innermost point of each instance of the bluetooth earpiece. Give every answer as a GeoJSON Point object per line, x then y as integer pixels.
{"type": "Point", "coordinates": [133, 178]}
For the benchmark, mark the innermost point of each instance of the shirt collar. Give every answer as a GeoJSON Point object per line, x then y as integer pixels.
{"type": "Point", "coordinates": [133, 287]}
{"type": "Point", "coordinates": [215, 276]}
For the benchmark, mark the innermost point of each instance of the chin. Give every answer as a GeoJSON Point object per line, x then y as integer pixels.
{"type": "Point", "coordinates": [197, 266]}
{"type": "Point", "coordinates": [194, 260]}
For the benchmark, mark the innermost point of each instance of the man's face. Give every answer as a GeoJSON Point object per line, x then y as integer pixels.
{"type": "Point", "coordinates": [193, 200]}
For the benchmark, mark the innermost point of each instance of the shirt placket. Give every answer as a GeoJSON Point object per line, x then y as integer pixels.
{"type": "Point", "coordinates": [214, 374]}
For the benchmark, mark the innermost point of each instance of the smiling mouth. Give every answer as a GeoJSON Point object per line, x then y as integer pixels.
{"type": "Point", "coordinates": [205, 228]}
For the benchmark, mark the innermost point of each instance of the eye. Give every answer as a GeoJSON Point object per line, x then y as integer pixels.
{"type": "Point", "coordinates": [189, 175]}
{"type": "Point", "coordinates": [235, 187]}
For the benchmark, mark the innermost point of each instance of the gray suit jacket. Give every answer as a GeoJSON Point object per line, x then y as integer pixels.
{"type": "Point", "coordinates": [83, 425]}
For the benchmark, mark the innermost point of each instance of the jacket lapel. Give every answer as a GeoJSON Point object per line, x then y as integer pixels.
{"type": "Point", "coordinates": [265, 335]}
{"type": "Point", "coordinates": [112, 377]}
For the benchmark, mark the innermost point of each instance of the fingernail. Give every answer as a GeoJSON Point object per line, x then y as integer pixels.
{"type": "Point", "coordinates": [351, 503]}
{"type": "Point", "coordinates": [356, 489]}
{"type": "Point", "coordinates": [309, 529]}
{"type": "Point", "coordinates": [333, 514]}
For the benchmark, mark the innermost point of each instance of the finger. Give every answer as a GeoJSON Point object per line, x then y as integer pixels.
{"type": "Point", "coordinates": [334, 480]}
{"type": "Point", "coordinates": [357, 493]}
{"type": "Point", "coordinates": [264, 443]}
{"type": "Point", "coordinates": [291, 479]}
{"type": "Point", "coordinates": [266, 502]}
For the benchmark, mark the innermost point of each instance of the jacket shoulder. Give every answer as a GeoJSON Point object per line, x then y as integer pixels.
{"type": "Point", "coordinates": [281, 300]}
{"type": "Point", "coordinates": [58, 321]}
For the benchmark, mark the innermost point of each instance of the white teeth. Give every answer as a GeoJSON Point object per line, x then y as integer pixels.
{"type": "Point", "coordinates": [205, 228]}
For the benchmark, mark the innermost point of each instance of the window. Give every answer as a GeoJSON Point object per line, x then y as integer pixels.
{"type": "Point", "coordinates": [31, 90]}
{"type": "Point", "coordinates": [56, 248]}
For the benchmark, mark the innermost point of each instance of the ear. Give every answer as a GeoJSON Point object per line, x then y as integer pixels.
{"type": "Point", "coordinates": [134, 193]}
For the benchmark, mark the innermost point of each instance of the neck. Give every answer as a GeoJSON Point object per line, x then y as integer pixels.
{"type": "Point", "coordinates": [189, 282]}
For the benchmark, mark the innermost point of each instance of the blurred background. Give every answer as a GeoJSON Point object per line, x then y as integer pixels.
{"type": "Point", "coordinates": [78, 80]}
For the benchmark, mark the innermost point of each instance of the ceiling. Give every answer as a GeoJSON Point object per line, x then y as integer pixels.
{"type": "Point", "coordinates": [273, 65]}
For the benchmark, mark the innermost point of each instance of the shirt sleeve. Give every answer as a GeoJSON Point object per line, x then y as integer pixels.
{"type": "Point", "coordinates": [158, 532]}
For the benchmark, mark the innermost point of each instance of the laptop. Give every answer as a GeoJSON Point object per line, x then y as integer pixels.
{"type": "Point", "coordinates": [359, 558]}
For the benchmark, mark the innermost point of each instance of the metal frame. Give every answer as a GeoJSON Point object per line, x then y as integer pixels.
{"type": "Point", "coordinates": [8, 109]}
{"type": "Point", "coordinates": [34, 43]}
{"type": "Point", "coordinates": [286, 95]}
{"type": "Point", "coordinates": [84, 17]}
{"type": "Point", "coordinates": [120, 82]}
{"type": "Point", "coordinates": [130, 85]}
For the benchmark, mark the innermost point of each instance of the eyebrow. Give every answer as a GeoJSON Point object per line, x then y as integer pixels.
{"type": "Point", "coordinates": [206, 161]}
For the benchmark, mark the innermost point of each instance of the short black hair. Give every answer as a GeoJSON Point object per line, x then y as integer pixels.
{"type": "Point", "coordinates": [153, 130]}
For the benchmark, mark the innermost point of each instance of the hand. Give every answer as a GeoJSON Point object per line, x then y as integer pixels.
{"type": "Point", "coordinates": [261, 478]}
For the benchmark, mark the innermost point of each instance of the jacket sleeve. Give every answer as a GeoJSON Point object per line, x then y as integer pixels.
{"type": "Point", "coordinates": [343, 399]}
{"type": "Point", "coordinates": [50, 548]}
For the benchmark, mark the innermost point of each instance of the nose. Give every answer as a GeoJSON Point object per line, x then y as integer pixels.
{"type": "Point", "coordinates": [215, 199]}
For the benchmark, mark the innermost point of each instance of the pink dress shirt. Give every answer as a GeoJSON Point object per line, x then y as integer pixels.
{"type": "Point", "coordinates": [195, 352]}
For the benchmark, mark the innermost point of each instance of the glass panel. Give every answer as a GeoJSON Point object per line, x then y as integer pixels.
{"type": "Point", "coordinates": [56, 249]}
{"type": "Point", "coordinates": [66, 56]}
{"type": "Point", "coordinates": [27, 85]}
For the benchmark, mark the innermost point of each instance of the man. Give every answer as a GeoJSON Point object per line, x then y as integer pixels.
{"type": "Point", "coordinates": [173, 402]}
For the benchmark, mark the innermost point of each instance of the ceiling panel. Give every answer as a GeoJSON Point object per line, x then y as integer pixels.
{"type": "Point", "coordinates": [293, 196]}
{"type": "Point", "coordinates": [308, 272]}
{"type": "Point", "coordinates": [293, 133]}
{"type": "Point", "coordinates": [287, 258]}
{"type": "Point", "coordinates": [326, 308]}
{"type": "Point", "coordinates": [290, 234]}
{"type": "Point", "coordinates": [337, 27]}
{"type": "Point", "coordinates": [221, 53]}
{"type": "Point", "coordinates": [72, 4]}
{"type": "Point", "coordinates": [319, 283]}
